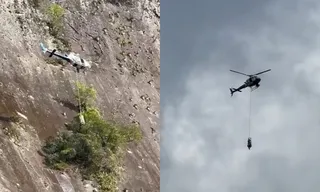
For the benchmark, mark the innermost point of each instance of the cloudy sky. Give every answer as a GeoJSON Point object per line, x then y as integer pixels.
{"type": "Point", "coordinates": [204, 130]}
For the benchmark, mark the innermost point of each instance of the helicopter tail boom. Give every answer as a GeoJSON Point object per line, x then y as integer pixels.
{"type": "Point", "coordinates": [232, 90]}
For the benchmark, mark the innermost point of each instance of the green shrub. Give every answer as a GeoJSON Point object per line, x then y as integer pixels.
{"type": "Point", "coordinates": [55, 13]}
{"type": "Point", "coordinates": [85, 95]}
{"type": "Point", "coordinates": [95, 147]}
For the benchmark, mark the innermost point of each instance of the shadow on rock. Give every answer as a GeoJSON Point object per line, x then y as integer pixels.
{"type": "Point", "coordinates": [9, 119]}
{"type": "Point", "coordinates": [67, 104]}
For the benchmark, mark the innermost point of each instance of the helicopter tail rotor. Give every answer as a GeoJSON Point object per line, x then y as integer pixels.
{"type": "Point", "coordinates": [232, 90]}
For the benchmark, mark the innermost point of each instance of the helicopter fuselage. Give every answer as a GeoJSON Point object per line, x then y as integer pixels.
{"type": "Point", "coordinates": [252, 81]}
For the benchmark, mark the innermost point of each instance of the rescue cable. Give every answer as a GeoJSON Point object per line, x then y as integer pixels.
{"type": "Point", "coordinates": [81, 118]}
{"type": "Point", "coordinates": [249, 144]}
{"type": "Point", "coordinates": [250, 113]}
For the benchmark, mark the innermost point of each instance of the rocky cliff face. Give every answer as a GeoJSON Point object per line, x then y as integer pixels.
{"type": "Point", "coordinates": [121, 39]}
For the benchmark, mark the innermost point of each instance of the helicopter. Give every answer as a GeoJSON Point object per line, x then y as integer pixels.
{"type": "Point", "coordinates": [252, 81]}
{"type": "Point", "coordinates": [71, 58]}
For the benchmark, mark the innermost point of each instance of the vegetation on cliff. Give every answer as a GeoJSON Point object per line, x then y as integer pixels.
{"type": "Point", "coordinates": [55, 14]}
{"type": "Point", "coordinates": [95, 147]}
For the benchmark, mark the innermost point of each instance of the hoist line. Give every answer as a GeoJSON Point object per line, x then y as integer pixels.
{"type": "Point", "coordinates": [250, 112]}
{"type": "Point", "coordinates": [78, 90]}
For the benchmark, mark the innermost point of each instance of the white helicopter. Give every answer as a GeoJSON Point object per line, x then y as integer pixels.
{"type": "Point", "coordinates": [74, 59]}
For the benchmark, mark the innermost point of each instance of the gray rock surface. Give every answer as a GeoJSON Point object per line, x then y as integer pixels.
{"type": "Point", "coordinates": [122, 41]}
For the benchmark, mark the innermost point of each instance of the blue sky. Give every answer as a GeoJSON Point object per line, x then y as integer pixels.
{"type": "Point", "coordinates": [204, 130]}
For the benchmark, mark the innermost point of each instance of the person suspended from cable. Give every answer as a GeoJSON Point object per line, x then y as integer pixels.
{"type": "Point", "coordinates": [249, 145]}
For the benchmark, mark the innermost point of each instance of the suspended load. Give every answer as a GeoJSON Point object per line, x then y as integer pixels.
{"type": "Point", "coordinates": [249, 145]}
{"type": "Point", "coordinates": [81, 118]}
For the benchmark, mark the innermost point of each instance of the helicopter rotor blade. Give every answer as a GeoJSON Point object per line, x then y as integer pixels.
{"type": "Point", "coordinates": [262, 72]}
{"type": "Point", "coordinates": [240, 73]}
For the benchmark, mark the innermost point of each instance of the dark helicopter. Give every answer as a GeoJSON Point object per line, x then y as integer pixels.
{"type": "Point", "coordinates": [252, 81]}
